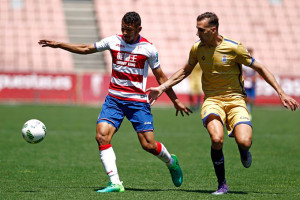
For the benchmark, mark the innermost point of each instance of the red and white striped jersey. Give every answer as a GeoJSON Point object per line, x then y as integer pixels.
{"type": "Point", "coordinates": [129, 66]}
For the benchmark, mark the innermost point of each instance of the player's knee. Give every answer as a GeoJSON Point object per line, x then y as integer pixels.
{"type": "Point", "coordinates": [101, 137]}
{"type": "Point", "coordinates": [245, 142]}
{"type": "Point", "coordinates": [217, 142]}
{"type": "Point", "coordinates": [102, 140]}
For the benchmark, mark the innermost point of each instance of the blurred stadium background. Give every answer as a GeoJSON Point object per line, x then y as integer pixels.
{"type": "Point", "coordinates": [29, 73]}
{"type": "Point", "coordinates": [66, 164]}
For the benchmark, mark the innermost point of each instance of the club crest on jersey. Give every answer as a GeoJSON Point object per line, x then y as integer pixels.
{"type": "Point", "coordinates": [224, 58]}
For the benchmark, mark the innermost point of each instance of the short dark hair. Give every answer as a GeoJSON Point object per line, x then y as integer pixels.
{"type": "Point", "coordinates": [212, 17]}
{"type": "Point", "coordinates": [132, 18]}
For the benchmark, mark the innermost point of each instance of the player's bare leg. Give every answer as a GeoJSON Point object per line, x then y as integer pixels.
{"type": "Point", "coordinates": [216, 131]}
{"type": "Point", "coordinates": [104, 133]}
{"type": "Point", "coordinates": [243, 137]}
{"type": "Point", "coordinates": [158, 149]}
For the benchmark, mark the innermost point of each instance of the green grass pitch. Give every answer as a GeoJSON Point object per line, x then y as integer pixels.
{"type": "Point", "coordinates": [66, 164]}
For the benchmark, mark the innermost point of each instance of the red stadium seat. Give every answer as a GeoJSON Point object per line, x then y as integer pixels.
{"type": "Point", "coordinates": [23, 27]}
{"type": "Point", "coordinates": [271, 30]}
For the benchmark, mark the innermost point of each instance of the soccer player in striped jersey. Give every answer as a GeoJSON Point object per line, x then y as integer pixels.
{"type": "Point", "coordinates": [131, 56]}
{"type": "Point", "coordinates": [221, 60]}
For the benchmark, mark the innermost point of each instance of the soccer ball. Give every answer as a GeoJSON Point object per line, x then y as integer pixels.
{"type": "Point", "coordinates": [34, 131]}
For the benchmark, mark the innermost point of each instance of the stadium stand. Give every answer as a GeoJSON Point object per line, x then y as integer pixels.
{"type": "Point", "coordinates": [82, 28]}
{"type": "Point", "coordinates": [23, 23]}
{"type": "Point", "coordinates": [269, 27]}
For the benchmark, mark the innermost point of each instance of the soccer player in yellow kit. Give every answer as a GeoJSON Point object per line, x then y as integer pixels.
{"type": "Point", "coordinates": [221, 60]}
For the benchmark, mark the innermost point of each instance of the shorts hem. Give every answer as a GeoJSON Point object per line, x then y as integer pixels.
{"type": "Point", "coordinates": [244, 122]}
{"type": "Point", "coordinates": [205, 118]}
{"type": "Point", "coordinates": [108, 121]}
{"type": "Point", "coordinates": [144, 131]}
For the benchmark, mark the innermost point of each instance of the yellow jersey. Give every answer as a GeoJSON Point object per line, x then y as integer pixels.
{"type": "Point", "coordinates": [222, 67]}
{"type": "Point", "coordinates": [195, 81]}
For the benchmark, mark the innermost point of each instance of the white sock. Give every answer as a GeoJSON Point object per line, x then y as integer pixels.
{"type": "Point", "coordinates": [108, 159]}
{"type": "Point", "coordinates": [164, 155]}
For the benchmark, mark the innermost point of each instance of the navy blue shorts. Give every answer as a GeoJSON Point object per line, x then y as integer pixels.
{"type": "Point", "coordinates": [139, 114]}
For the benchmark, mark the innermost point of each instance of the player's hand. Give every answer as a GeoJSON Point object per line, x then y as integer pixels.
{"type": "Point", "coordinates": [181, 108]}
{"type": "Point", "coordinates": [48, 43]}
{"type": "Point", "coordinates": [288, 102]}
{"type": "Point", "coordinates": [154, 93]}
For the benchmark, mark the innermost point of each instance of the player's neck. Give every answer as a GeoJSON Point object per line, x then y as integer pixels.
{"type": "Point", "coordinates": [217, 40]}
{"type": "Point", "coordinates": [136, 40]}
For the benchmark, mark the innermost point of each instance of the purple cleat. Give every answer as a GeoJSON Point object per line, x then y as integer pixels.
{"type": "Point", "coordinates": [222, 189]}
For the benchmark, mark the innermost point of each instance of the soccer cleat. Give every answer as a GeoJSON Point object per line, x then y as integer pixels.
{"type": "Point", "coordinates": [176, 172]}
{"type": "Point", "coordinates": [248, 161]}
{"type": "Point", "coordinates": [112, 188]}
{"type": "Point", "coordinates": [222, 189]}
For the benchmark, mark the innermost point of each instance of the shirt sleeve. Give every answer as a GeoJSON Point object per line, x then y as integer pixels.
{"type": "Point", "coordinates": [153, 58]}
{"type": "Point", "coordinates": [243, 56]}
{"type": "Point", "coordinates": [103, 44]}
{"type": "Point", "coordinates": [193, 55]}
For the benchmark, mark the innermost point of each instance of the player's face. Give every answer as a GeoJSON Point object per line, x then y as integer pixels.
{"type": "Point", "coordinates": [130, 32]}
{"type": "Point", "coordinates": [205, 32]}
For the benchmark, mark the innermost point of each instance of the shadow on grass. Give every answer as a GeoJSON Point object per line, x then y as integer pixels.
{"type": "Point", "coordinates": [29, 191]}
{"type": "Point", "coordinates": [160, 190]}
{"type": "Point", "coordinates": [176, 190]}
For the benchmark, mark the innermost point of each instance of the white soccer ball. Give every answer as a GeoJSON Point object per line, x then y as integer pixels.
{"type": "Point", "coordinates": [34, 131]}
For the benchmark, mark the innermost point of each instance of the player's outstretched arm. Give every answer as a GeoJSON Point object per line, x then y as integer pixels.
{"type": "Point", "coordinates": [74, 48]}
{"type": "Point", "coordinates": [162, 78]}
{"type": "Point", "coordinates": [181, 74]}
{"type": "Point", "coordinates": [287, 101]}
